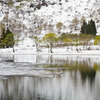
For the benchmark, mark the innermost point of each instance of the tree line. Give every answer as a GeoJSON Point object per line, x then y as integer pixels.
{"type": "Point", "coordinates": [88, 32]}
{"type": "Point", "coordinates": [89, 28]}
{"type": "Point", "coordinates": [69, 40]}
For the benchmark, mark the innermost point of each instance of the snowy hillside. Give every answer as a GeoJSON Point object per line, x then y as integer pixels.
{"type": "Point", "coordinates": [27, 18]}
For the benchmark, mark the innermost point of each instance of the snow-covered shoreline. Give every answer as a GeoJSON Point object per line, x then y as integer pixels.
{"type": "Point", "coordinates": [44, 51]}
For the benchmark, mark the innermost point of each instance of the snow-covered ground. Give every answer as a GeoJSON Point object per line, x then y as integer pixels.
{"type": "Point", "coordinates": [44, 51]}
{"type": "Point", "coordinates": [25, 21]}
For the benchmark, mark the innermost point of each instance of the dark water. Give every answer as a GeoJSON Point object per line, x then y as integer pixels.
{"type": "Point", "coordinates": [78, 78]}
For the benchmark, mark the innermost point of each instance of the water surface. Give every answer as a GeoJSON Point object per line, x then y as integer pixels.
{"type": "Point", "coordinates": [47, 77]}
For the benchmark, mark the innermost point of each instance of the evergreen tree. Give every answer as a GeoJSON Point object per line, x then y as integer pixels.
{"type": "Point", "coordinates": [8, 41]}
{"type": "Point", "coordinates": [7, 38]}
{"type": "Point", "coordinates": [8, 31]}
{"type": "Point", "coordinates": [84, 28]}
{"type": "Point", "coordinates": [94, 28]}
{"type": "Point", "coordinates": [89, 28]}
{"type": "Point", "coordinates": [3, 35]}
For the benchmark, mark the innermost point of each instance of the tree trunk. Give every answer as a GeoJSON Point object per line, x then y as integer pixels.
{"type": "Point", "coordinates": [71, 47]}
{"type": "Point", "coordinates": [37, 47]}
{"type": "Point", "coordinates": [67, 48]}
{"type": "Point", "coordinates": [51, 59]}
{"type": "Point", "coordinates": [48, 49]}
{"type": "Point", "coordinates": [13, 49]}
{"type": "Point", "coordinates": [51, 48]}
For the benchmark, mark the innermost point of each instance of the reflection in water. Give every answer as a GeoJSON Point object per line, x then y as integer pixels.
{"type": "Point", "coordinates": [59, 88]}
{"type": "Point", "coordinates": [81, 81]}
{"type": "Point", "coordinates": [87, 72]}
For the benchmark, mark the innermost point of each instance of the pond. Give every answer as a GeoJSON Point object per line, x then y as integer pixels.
{"type": "Point", "coordinates": [49, 77]}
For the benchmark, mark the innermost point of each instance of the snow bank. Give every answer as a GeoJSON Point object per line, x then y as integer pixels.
{"type": "Point", "coordinates": [56, 51]}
